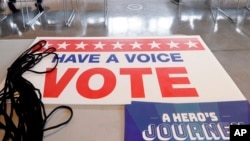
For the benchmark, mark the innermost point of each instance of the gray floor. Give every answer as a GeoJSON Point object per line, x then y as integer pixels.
{"type": "Point", "coordinates": [229, 41]}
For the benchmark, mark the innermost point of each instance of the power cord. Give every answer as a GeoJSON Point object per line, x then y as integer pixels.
{"type": "Point", "coordinates": [22, 112]}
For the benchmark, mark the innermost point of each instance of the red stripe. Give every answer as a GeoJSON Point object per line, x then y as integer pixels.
{"type": "Point", "coordinates": [163, 44]}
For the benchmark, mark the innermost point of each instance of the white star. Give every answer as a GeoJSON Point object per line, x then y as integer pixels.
{"type": "Point", "coordinates": [63, 45]}
{"type": "Point", "coordinates": [117, 45]}
{"type": "Point", "coordinates": [173, 44]}
{"type": "Point", "coordinates": [81, 45]}
{"type": "Point", "coordinates": [136, 45]}
{"type": "Point", "coordinates": [99, 45]}
{"type": "Point", "coordinates": [47, 45]}
{"type": "Point", "coordinates": [154, 45]}
{"type": "Point", "coordinates": [191, 44]}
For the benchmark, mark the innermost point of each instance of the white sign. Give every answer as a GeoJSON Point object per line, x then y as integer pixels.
{"type": "Point", "coordinates": [118, 70]}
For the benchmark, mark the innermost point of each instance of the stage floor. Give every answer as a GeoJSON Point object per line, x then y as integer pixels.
{"type": "Point", "coordinates": [227, 40]}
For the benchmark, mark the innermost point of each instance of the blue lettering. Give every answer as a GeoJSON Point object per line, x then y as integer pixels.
{"type": "Point", "coordinates": [78, 58]}
{"type": "Point", "coordinates": [224, 128]}
{"type": "Point", "coordinates": [176, 57]}
{"type": "Point", "coordinates": [71, 58]}
{"type": "Point", "coordinates": [143, 58]}
{"type": "Point", "coordinates": [149, 134]}
{"type": "Point", "coordinates": [212, 131]}
{"type": "Point", "coordinates": [195, 131]}
{"type": "Point", "coordinates": [60, 58]}
{"type": "Point", "coordinates": [163, 57]}
{"type": "Point", "coordinates": [81, 58]}
{"type": "Point", "coordinates": [164, 132]}
{"type": "Point", "coordinates": [179, 131]}
{"type": "Point", "coordinates": [191, 131]}
{"type": "Point", "coordinates": [94, 58]}
{"type": "Point", "coordinates": [112, 58]}
{"type": "Point", "coordinates": [153, 57]}
{"type": "Point", "coordinates": [130, 59]}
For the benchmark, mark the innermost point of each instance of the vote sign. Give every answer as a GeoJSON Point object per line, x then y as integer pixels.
{"type": "Point", "coordinates": [105, 70]}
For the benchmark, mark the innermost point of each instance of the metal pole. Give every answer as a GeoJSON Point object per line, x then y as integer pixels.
{"type": "Point", "coordinates": [65, 11]}
{"type": "Point", "coordinates": [224, 13]}
{"type": "Point", "coordinates": [247, 6]}
{"type": "Point", "coordinates": [70, 19]}
{"type": "Point", "coordinates": [237, 12]}
{"type": "Point", "coordinates": [105, 12]}
{"type": "Point", "coordinates": [33, 20]}
{"type": "Point", "coordinates": [3, 17]}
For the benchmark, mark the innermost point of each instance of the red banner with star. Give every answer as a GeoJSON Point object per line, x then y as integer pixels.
{"type": "Point", "coordinates": [120, 45]}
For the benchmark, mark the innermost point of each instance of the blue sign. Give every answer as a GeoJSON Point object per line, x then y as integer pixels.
{"type": "Point", "coordinates": [189, 121]}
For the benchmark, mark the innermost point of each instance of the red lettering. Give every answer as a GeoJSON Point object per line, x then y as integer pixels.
{"type": "Point", "coordinates": [83, 88]}
{"type": "Point", "coordinates": [137, 88]}
{"type": "Point", "coordinates": [53, 89]}
{"type": "Point", "coordinates": [166, 82]}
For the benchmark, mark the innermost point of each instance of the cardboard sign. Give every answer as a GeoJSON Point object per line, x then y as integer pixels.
{"type": "Point", "coordinates": [117, 70]}
{"type": "Point", "coordinates": [184, 121]}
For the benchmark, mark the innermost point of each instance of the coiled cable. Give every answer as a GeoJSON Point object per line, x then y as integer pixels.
{"type": "Point", "coordinates": [22, 112]}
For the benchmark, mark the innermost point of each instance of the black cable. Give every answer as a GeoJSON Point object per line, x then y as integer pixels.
{"type": "Point", "coordinates": [22, 112]}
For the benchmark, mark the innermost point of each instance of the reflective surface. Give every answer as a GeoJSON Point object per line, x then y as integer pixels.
{"type": "Point", "coordinates": [229, 41]}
